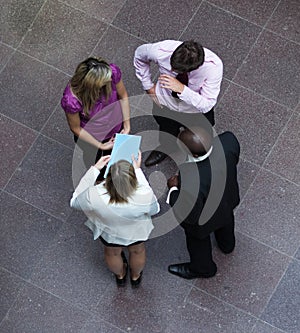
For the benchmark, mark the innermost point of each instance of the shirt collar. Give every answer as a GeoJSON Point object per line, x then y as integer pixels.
{"type": "Point", "coordinates": [191, 158]}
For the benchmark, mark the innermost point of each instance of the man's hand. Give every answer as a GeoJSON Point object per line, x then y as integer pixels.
{"type": "Point", "coordinates": [173, 181]}
{"type": "Point", "coordinates": [170, 82]}
{"type": "Point", "coordinates": [152, 94]}
{"type": "Point", "coordinates": [102, 162]}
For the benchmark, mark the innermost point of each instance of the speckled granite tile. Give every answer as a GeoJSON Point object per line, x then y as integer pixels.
{"type": "Point", "coordinates": [204, 313]}
{"type": "Point", "coordinates": [15, 140]}
{"type": "Point", "coordinates": [229, 36]}
{"type": "Point", "coordinates": [285, 156]}
{"type": "Point", "coordinates": [118, 47]}
{"type": "Point", "coordinates": [148, 308]}
{"type": "Point", "coordinates": [104, 10]}
{"type": "Point", "coordinates": [97, 326]}
{"type": "Point", "coordinates": [256, 121]}
{"type": "Point", "coordinates": [36, 311]}
{"type": "Point", "coordinates": [33, 106]}
{"type": "Point", "coordinates": [270, 213]}
{"type": "Point", "coordinates": [270, 73]}
{"type": "Point", "coordinates": [62, 36]}
{"type": "Point", "coordinates": [10, 286]}
{"type": "Point", "coordinates": [57, 128]}
{"type": "Point", "coordinates": [26, 232]}
{"type": "Point", "coordinates": [5, 54]}
{"type": "Point", "coordinates": [44, 178]}
{"type": "Point", "coordinates": [256, 11]}
{"type": "Point", "coordinates": [283, 308]}
{"type": "Point", "coordinates": [154, 20]}
{"type": "Point", "coordinates": [246, 174]}
{"type": "Point", "coordinates": [262, 327]}
{"type": "Point", "coordinates": [247, 277]}
{"type": "Point", "coordinates": [285, 20]}
{"type": "Point", "coordinates": [16, 18]}
{"type": "Point", "coordinates": [75, 270]}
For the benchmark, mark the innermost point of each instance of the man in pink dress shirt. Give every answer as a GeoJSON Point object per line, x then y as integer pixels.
{"type": "Point", "coordinates": [187, 88]}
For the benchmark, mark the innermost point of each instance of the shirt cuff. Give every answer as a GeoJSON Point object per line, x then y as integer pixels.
{"type": "Point", "coordinates": [173, 188]}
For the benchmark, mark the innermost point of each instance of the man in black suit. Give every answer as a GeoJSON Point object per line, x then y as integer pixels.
{"type": "Point", "coordinates": [203, 197]}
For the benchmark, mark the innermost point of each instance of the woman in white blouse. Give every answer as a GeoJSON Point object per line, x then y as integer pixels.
{"type": "Point", "coordinates": [119, 211]}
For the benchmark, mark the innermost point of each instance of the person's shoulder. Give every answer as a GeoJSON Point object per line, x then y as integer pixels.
{"type": "Point", "coordinates": [229, 141]}
{"type": "Point", "coordinates": [69, 102]}
{"type": "Point", "coordinates": [116, 73]}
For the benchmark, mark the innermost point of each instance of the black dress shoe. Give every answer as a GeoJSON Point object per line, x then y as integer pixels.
{"type": "Point", "coordinates": [155, 157]}
{"type": "Point", "coordinates": [184, 271]}
{"type": "Point", "coordinates": [136, 283]}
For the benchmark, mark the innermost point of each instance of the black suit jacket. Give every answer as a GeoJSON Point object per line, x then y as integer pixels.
{"type": "Point", "coordinates": [208, 190]}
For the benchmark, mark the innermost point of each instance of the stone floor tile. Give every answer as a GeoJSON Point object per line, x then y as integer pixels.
{"type": "Point", "coordinates": [270, 213]}
{"type": "Point", "coordinates": [33, 106]}
{"type": "Point", "coordinates": [285, 20]}
{"type": "Point", "coordinates": [247, 277]}
{"type": "Point", "coordinates": [26, 232]}
{"type": "Point", "coordinates": [44, 178]}
{"type": "Point", "coordinates": [10, 286]}
{"type": "Point", "coordinates": [5, 54]}
{"type": "Point", "coordinates": [75, 270]}
{"type": "Point", "coordinates": [97, 326]}
{"type": "Point", "coordinates": [256, 121]}
{"type": "Point", "coordinates": [15, 141]}
{"type": "Point", "coordinates": [148, 308]}
{"type": "Point", "coordinates": [117, 46]}
{"type": "Point", "coordinates": [231, 38]}
{"type": "Point", "coordinates": [246, 174]}
{"type": "Point", "coordinates": [257, 11]}
{"type": "Point", "coordinates": [104, 10]}
{"type": "Point", "coordinates": [16, 18]}
{"type": "Point", "coordinates": [37, 311]}
{"type": "Point", "coordinates": [57, 128]}
{"type": "Point", "coordinates": [283, 308]}
{"type": "Point", "coordinates": [262, 327]}
{"type": "Point", "coordinates": [151, 20]}
{"type": "Point", "coordinates": [204, 313]}
{"type": "Point", "coordinates": [285, 155]}
{"type": "Point", "coordinates": [62, 36]}
{"type": "Point", "coordinates": [269, 73]}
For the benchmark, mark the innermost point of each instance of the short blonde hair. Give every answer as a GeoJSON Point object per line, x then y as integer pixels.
{"type": "Point", "coordinates": [92, 79]}
{"type": "Point", "coordinates": [121, 182]}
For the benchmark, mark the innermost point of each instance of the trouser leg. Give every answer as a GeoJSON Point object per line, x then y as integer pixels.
{"type": "Point", "coordinates": [225, 237]}
{"type": "Point", "coordinates": [200, 251]}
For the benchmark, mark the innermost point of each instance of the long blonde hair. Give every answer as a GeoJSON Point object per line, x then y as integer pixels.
{"type": "Point", "coordinates": [121, 181]}
{"type": "Point", "coordinates": [92, 79]}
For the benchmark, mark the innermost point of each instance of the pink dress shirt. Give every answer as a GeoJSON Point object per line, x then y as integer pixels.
{"type": "Point", "coordinates": [204, 82]}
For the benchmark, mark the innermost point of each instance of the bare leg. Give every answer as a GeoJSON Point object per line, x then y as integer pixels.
{"type": "Point", "coordinates": [137, 259]}
{"type": "Point", "coordinates": [114, 260]}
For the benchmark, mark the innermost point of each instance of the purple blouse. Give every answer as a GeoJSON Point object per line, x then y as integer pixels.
{"type": "Point", "coordinates": [106, 118]}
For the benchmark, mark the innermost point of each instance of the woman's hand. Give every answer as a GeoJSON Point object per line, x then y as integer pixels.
{"type": "Point", "coordinates": [102, 162]}
{"type": "Point", "coordinates": [125, 130]}
{"type": "Point", "coordinates": [107, 145]}
{"type": "Point", "coordinates": [137, 163]}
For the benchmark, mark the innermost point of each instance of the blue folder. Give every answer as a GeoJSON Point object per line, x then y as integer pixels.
{"type": "Point", "coordinates": [124, 146]}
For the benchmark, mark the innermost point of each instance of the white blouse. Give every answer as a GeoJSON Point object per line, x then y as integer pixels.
{"type": "Point", "coordinates": [123, 223]}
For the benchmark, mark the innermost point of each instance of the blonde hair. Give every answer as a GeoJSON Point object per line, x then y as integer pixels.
{"type": "Point", "coordinates": [92, 79]}
{"type": "Point", "coordinates": [121, 182]}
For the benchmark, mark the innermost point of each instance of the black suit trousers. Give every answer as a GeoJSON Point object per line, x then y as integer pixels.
{"type": "Point", "coordinates": [200, 249]}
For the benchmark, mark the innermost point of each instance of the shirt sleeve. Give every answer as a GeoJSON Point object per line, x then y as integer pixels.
{"type": "Point", "coordinates": [69, 102]}
{"type": "Point", "coordinates": [206, 98]}
{"type": "Point", "coordinates": [143, 56]}
{"type": "Point", "coordinates": [116, 73]}
{"type": "Point", "coordinates": [86, 181]}
{"type": "Point", "coordinates": [146, 191]}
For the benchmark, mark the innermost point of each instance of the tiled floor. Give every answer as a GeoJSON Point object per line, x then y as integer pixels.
{"type": "Point", "coordinates": [52, 274]}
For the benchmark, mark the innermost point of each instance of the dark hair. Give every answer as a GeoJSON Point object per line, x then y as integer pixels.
{"type": "Point", "coordinates": [187, 57]}
{"type": "Point", "coordinates": [121, 182]}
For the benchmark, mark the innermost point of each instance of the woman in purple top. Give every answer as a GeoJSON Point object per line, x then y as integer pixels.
{"type": "Point", "coordinates": [96, 105]}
